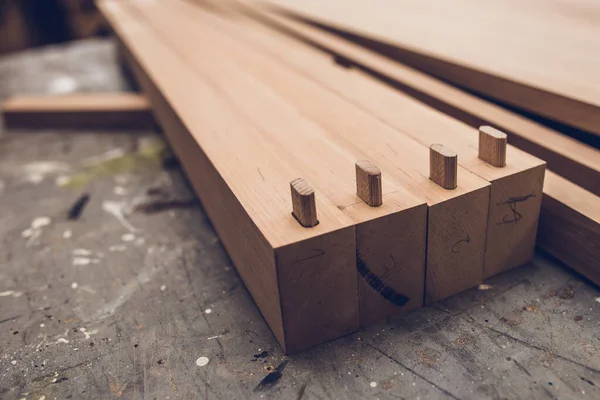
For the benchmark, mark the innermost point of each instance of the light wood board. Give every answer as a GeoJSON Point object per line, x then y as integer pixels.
{"type": "Point", "coordinates": [78, 111]}
{"type": "Point", "coordinates": [516, 190]}
{"type": "Point", "coordinates": [535, 55]}
{"type": "Point", "coordinates": [458, 215]}
{"type": "Point", "coordinates": [243, 185]}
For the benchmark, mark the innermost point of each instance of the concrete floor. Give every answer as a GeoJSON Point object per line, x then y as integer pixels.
{"type": "Point", "coordinates": [136, 298]}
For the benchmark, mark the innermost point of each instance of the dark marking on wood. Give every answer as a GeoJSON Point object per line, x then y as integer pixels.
{"type": "Point", "coordinates": [455, 249]}
{"type": "Point", "coordinates": [319, 254]}
{"type": "Point", "coordinates": [377, 283]}
{"type": "Point", "coordinates": [512, 205]}
{"type": "Point", "coordinates": [77, 208]}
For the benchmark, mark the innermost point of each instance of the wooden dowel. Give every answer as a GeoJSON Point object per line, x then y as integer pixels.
{"type": "Point", "coordinates": [443, 166]}
{"type": "Point", "coordinates": [368, 183]}
{"type": "Point", "coordinates": [492, 146]}
{"type": "Point", "coordinates": [303, 203]}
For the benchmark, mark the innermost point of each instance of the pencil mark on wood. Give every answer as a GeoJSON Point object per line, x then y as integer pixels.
{"type": "Point", "coordinates": [318, 252]}
{"type": "Point", "coordinates": [455, 249]}
{"type": "Point", "coordinates": [377, 283]}
{"type": "Point", "coordinates": [260, 173]}
{"type": "Point", "coordinates": [10, 319]}
{"type": "Point", "coordinates": [512, 204]}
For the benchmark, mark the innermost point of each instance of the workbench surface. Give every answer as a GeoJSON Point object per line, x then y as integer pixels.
{"type": "Point", "coordinates": [134, 297]}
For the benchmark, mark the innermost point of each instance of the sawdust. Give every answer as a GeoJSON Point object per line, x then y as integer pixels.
{"type": "Point", "coordinates": [429, 356]}
{"type": "Point", "coordinates": [465, 339]}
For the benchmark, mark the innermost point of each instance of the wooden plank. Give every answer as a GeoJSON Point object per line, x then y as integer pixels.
{"type": "Point", "coordinates": [248, 200]}
{"type": "Point", "coordinates": [511, 234]}
{"type": "Point", "coordinates": [570, 226]}
{"type": "Point", "coordinates": [563, 219]}
{"type": "Point", "coordinates": [458, 215]}
{"type": "Point", "coordinates": [564, 155]}
{"type": "Point", "coordinates": [78, 111]}
{"type": "Point", "coordinates": [299, 137]}
{"type": "Point", "coordinates": [468, 44]}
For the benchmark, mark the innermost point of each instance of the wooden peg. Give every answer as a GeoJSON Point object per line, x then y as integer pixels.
{"type": "Point", "coordinates": [368, 183]}
{"type": "Point", "coordinates": [303, 203]}
{"type": "Point", "coordinates": [492, 146]}
{"type": "Point", "coordinates": [443, 166]}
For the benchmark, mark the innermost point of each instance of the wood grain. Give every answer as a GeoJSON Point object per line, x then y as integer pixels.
{"type": "Point", "coordinates": [467, 43]}
{"type": "Point", "coordinates": [323, 164]}
{"type": "Point", "coordinates": [570, 226]}
{"type": "Point", "coordinates": [398, 156]}
{"type": "Point", "coordinates": [303, 203]}
{"type": "Point", "coordinates": [511, 240]}
{"type": "Point", "coordinates": [248, 201]}
{"type": "Point", "coordinates": [368, 183]}
{"type": "Point", "coordinates": [443, 165]}
{"type": "Point", "coordinates": [78, 111]}
{"type": "Point", "coordinates": [492, 146]}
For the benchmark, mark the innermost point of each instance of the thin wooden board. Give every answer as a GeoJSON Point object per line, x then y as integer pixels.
{"type": "Point", "coordinates": [518, 52]}
{"type": "Point", "coordinates": [78, 111]}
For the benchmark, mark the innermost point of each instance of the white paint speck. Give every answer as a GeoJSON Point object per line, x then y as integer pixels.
{"type": "Point", "coordinates": [213, 337]}
{"type": "Point", "coordinates": [40, 222]}
{"type": "Point", "coordinates": [35, 172]}
{"type": "Point", "coordinates": [82, 252]}
{"type": "Point", "coordinates": [13, 362]}
{"type": "Point", "coordinates": [42, 325]}
{"type": "Point", "coordinates": [118, 247]}
{"type": "Point", "coordinates": [116, 209]}
{"type": "Point", "coordinates": [202, 361]}
{"type": "Point", "coordinates": [88, 333]}
{"type": "Point", "coordinates": [163, 288]}
{"type": "Point", "coordinates": [128, 237]}
{"type": "Point", "coordinates": [119, 191]}
{"type": "Point", "coordinates": [597, 299]}
{"type": "Point", "coordinates": [67, 234]}
{"type": "Point", "coordinates": [62, 180]}
{"type": "Point", "coordinates": [61, 85]}
{"type": "Point", "coordinates": [373, 384]}
{"type": "Point", "coordinates": [62, 340]}
{"type": "Point", "coordinates": [27, 233]}
{"type": "Point", "coordinates": [74, 285]}
{"type": "Point", "coordinates": [207, 311]}
{"type": "Point", "coordinates": [483, 286]}
{"type": "Point", "coordinates": [85, 261]}
{"type": "Point", "coordinates": [42, 398]}
{"type": "Point", "coordinates": [12, 293]}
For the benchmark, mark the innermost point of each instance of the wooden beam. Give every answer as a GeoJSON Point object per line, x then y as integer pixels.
{"type": "Point", "coordinates": [323, 160]}
{"type": "Point", "coordinates": [482, 55]}
{"type": "Point", "coordinates": [79, 111]}
{"type": "Point", "coordinates": [510, 244]}
{"type": "Point", "coordinates": [454, 216]}
{"type": "Point", "coordinates": [302, 279]}
{"type": "Point", "coordinates": [570, 226]}
{"type": "Point", "coordinates": [566, 156]}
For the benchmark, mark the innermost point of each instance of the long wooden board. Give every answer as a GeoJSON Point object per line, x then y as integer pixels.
{"type": "Point", "coordinates": [454, 216]}
{"type": "Point", "coordinates": [569, 211]}
{"type": "Point", "coordinates": [566, 156]}
{"type": "Point", "coordinates": [78, 111]}
{"type": "Point", "coordinates": [570, 226]}
{"type": "Point", "coordinates": [516, 190]}
{"type": "Point", "coordinates": [523, 53]}
{"type": "Point", "coordinates": [248, 199]}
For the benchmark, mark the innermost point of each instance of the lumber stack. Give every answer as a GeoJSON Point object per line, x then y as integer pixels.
{"type": "Point", "coordinates": [340, 200]}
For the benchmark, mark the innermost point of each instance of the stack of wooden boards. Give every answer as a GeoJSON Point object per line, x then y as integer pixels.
{"type": "Point", "coordinates": [274, 138]}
